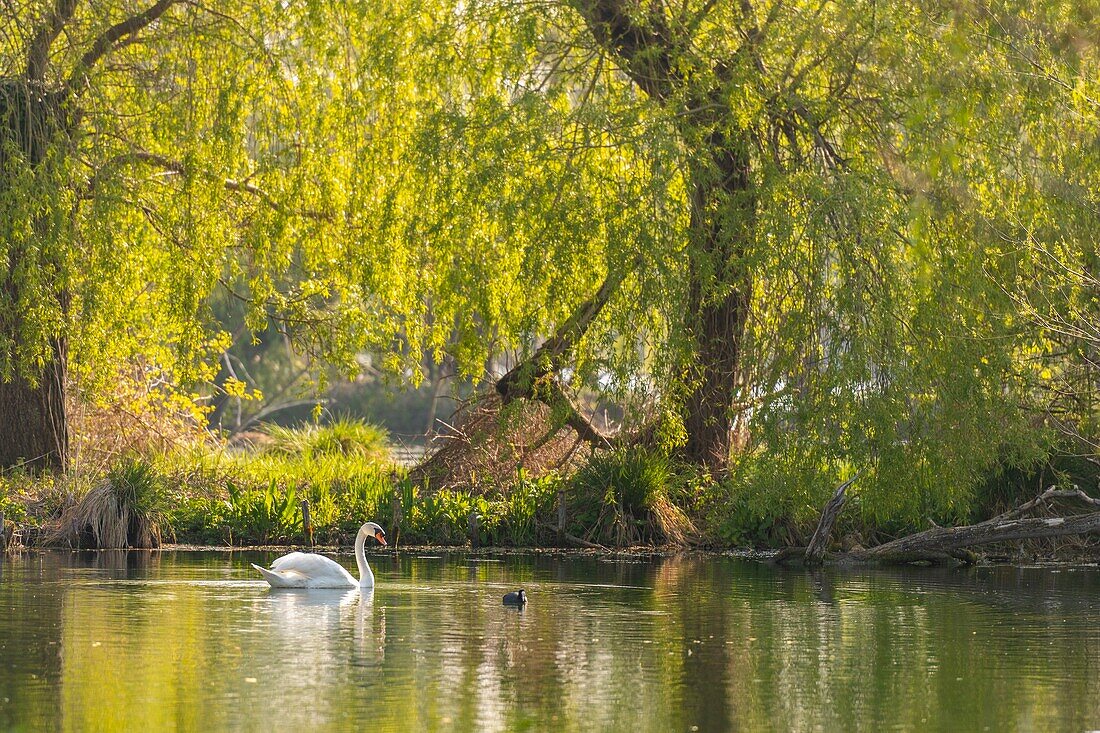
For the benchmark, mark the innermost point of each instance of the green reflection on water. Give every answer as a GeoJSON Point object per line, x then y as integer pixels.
{"type": "Point", "coordinates": [195, 641]}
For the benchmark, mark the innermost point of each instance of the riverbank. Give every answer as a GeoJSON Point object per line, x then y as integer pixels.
{"type": "Point", "coordinates": [235, 506]}
{"type": "Point", "coordinates": [342, 475]}
{"type": "Point", "coordinates": [1063, 555]}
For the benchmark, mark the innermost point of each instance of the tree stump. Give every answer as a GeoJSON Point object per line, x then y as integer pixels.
{"type": "Point", "coordinates": [473, 529]}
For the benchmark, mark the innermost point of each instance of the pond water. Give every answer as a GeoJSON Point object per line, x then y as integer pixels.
{"type": "Point", "coordinates": [196, 641]}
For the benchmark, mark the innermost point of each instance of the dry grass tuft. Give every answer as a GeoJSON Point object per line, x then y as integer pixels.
{"type": "Point", "coordinates": [123, 509]}
{"type": "Point", "coordinates": [669, 520]}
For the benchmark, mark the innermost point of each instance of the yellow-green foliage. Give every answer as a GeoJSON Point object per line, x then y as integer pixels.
{"type": "Point", "coordinates": [443, 178]}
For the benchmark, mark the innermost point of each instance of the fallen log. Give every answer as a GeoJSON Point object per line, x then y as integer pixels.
{"type": "Point", "coordinates": [943, 543]}
{"type": "Point", "coordinates": [952, 544]}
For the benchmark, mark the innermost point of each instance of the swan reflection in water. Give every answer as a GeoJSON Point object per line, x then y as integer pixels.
{"type": "Point", "coordinates": [311, 647]}
{"type": "Point", "coordinates": [317, 626]}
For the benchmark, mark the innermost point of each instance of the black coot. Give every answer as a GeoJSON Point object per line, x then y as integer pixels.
{"type": "Point", "coordinates": [515, 598]}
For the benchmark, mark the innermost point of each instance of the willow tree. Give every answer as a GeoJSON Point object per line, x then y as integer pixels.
{"type": "Point", "coordinates": [782, 125]}
{"type": "Point", "coordinates": [784, 217]}
{"type": "Point", "coordinates": [736, 211]}
{"type": "Point", "coordinates": [149, 153]}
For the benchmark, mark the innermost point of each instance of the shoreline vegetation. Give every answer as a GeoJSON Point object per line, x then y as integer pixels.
{"type": "Point", "coordinates": [680, 269]}
{"type": "Point", "coordinates": [624, 499]}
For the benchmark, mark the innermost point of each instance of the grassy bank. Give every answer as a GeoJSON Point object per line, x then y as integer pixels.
{"type": "Point", "coordinates": [224, 496]}
{"type": "Point", "coordinates": [253, 495]}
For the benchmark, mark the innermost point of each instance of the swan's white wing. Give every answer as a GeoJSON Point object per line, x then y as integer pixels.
{"type": "Point", "coordinates": [288, 560]}
{"type": "Point", "coordinates": [282, 580]}
{"type": "Point", "coordinates": [309, 570]}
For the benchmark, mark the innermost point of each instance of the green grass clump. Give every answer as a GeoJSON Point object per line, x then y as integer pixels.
{"type": "Point", "coordinates": [124, 508]}
{"type": "Point", "coordinates": [343, 437]}
{"type": "Point", "coordinates": [254, 497]}
{"type": "Point", "coordinates": [632, 479]}
{"type": "Point", "coordinates": [630, 496]}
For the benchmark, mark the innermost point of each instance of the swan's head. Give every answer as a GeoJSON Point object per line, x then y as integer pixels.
{"type": "Point", "coordinates": [376, 532]}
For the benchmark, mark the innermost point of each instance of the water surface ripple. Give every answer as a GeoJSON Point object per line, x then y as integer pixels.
{"type": "Point", "coordinates": [196, 641]}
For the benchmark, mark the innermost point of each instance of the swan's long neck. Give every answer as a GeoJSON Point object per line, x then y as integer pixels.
{"type": "Point", "coordinates": [366, 576]}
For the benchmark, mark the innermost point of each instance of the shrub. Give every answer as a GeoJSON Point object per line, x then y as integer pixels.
{"type": "Point", "coordinates": [629, 496]}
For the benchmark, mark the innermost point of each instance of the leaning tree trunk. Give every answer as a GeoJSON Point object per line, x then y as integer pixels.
{"type": "Point", "coordinates": [536, 378]}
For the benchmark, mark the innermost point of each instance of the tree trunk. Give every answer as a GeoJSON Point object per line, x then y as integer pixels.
{"type": "Point", "coordinates": [651, 50]}
{"type": "Point", "coordinates": [722, 218]}
{"type": "Point", "coordinates": [815, 551]}
{"type": "Point", "coordinates": [33, 421]}
{"type": "Point", "coordinates": [38, 113]}
{"type": "Point", "coordinates": [941, 544]}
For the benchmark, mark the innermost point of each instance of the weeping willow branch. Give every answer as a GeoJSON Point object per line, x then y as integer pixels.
{"type": "Point", "coordinates": [171, 165]}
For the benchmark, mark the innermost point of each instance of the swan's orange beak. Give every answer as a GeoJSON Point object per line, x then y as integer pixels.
{"type": "Point", "coordinates": [380, 536]}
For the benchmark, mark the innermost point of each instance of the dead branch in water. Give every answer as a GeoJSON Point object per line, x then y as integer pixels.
{"type": "Point", "coordinates": [947, 544]}
{"type": "Point", "coordinates": [815, 551]}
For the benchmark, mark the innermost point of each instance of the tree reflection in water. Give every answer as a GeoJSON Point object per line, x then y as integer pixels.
{"type": "Point", "coordinates": [191, 640]}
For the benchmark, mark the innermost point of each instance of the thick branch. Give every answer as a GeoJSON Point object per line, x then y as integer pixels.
{"type": "Point", "coordinates": [38, 50]}
{"type": "Point", "coordinates": [1049, 495]}
{"type": "Point", "coordinates": [114, 37]}
{"type": "Point", "coordinates": [551, 356]}
{"type": "Point", "coordinates": [534, 378]}
{"type": "Point", "coordinates": [551, 392]}
{"type": "Point", "coordinates": [644, 45]}
{"type": "Point", "coordinates": [944, 544]}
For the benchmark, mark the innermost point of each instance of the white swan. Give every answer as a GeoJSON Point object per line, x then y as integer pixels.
{"type": "Point", "coordinates": [309, 570]}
